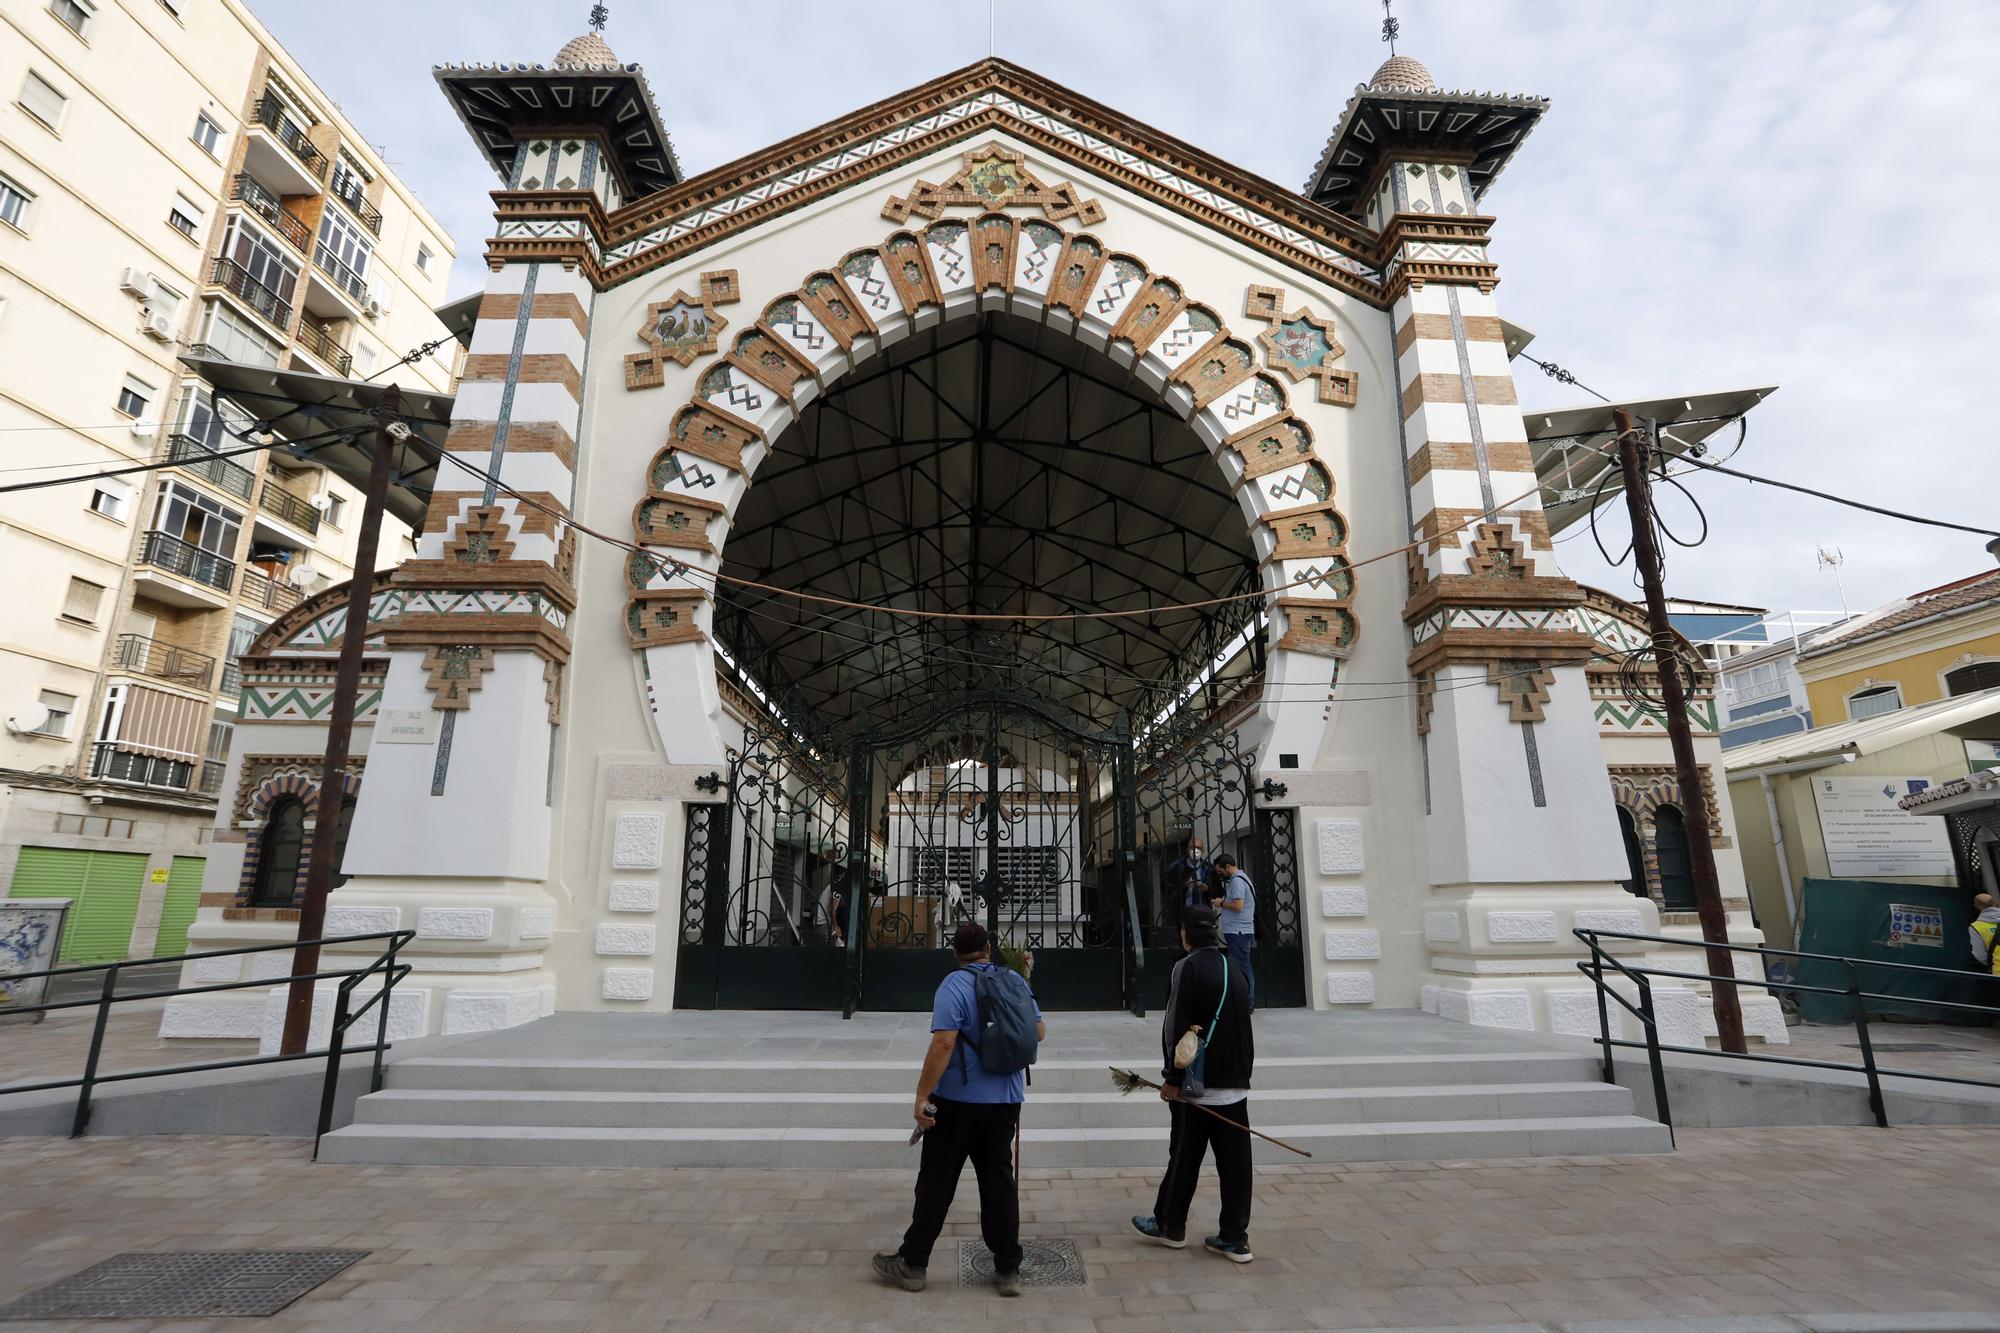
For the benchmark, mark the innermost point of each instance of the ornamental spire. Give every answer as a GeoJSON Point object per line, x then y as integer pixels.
{"type": "Point", "coordinates": [599, 16]}
{"type": "Point", "coordinates": [1392, 27]}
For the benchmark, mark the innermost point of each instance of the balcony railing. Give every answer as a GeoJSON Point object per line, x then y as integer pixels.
{"type": "Point", "coordinates": [232, 679]}
{"type": "Point", "coordinates": [276, 500]}
{"type": "Point", "coordinates": [191, 455]}
{"type": "Point", "coordinates": [349, 193]}
{"type": "Point", "coordinates": [163, 551]}
{"type": "Point", "coordinates": [343, 276]}
{"type": "Point", "coordinates": [112, 764]}
{"type": "Point", "coordinates": [165, 661]}
{"type": "Point", "coordinates": [261, 591]}
{"type": "Point", "coordinates": [274, 116]}
{"type": "Point", "coordinates": [317, 339]}
{"type": "Point", "coordinates": [250, 192]}
{"type": "Point", "coordinates": [212, 774]}
{"type": "Point", "coordinates": [234, 278]}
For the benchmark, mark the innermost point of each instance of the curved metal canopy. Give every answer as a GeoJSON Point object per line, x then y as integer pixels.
{"type": "Point", "coordinates": [987, 464]}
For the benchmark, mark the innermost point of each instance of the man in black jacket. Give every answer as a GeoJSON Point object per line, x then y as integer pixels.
{"type": "Point", "coordinates": [1206, 992]}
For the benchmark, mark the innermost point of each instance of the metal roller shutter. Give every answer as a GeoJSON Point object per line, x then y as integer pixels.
{"type": "Point", "coordinates": [177, 913]}
{"type": "Point", "coordinates": [103, 888]}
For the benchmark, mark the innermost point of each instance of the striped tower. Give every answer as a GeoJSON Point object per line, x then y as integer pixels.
{"type": "Point", "coordinates": [452, 832]}
{"type": "Point", "coordinates": [1505, 721]}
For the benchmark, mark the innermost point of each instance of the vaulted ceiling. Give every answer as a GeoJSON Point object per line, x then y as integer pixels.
{"type": "Point", "coordinates": [992, 465]}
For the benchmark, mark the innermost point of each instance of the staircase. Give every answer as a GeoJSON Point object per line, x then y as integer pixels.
{"type": "Point", "coordinates": [467, 1106]}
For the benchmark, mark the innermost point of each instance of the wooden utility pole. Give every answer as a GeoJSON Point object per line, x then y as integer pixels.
{"type": "Point", "coordinates": [339, 732]}
{"type": "Point", "coordinates": [1635, 450]}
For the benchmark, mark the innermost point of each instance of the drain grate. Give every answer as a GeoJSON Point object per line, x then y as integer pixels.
{"type": "Point", "coordinates": [1044, 1263]}
{"type": "Point", "coordinates": [183, 1283]}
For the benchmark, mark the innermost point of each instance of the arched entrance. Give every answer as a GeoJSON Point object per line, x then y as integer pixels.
{"type": "Point", "coordinates": [1042, 771]}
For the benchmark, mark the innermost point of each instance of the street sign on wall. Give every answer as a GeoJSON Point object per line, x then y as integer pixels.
{"type": "Point", "coordinates": [1867, 835]}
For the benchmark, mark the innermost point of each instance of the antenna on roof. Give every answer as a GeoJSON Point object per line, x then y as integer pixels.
{"type": "Point", "coordinates": [1392, 27]}
{"type": "Point", "coordinates": [599, 16]}
{"type": "Point", "coordinates": [1833, 560]}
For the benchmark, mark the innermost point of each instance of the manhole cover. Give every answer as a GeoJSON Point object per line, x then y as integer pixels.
{"type": "Point", "coordinates": [181, 1284]}
{"type": "Point", "coordinates": [1044, 1263]}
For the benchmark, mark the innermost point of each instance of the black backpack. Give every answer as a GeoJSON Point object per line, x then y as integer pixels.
{"type": "Point", "coordinates": [1004, 1011]}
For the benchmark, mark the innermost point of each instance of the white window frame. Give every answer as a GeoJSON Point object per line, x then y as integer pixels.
{"type": "Point", "coordinates": [336, 509]}
{"type": "Point", "coordinates": [139, 389]}
{"type": "Point", "coordinates": [97, 606]}
{"type": "Point", "coordinates": [185, 208]}
{"type": "Point", "coordinates": [202, 118]}
{"type": "Point", "coordinates": [62, 110]}
{"type": "Point", "coordinates": [1874, 690]}
{"type": "Point", "coordinates": [107, 502]}
{"type": "Point", "coordinates": [18, 199]}
{"type": "Point", "coordinates": [424, 257]}
{"type": "Point", "coordinates": [49, 726]}
{"type": "Point", "coordinates": [87, 8]}
{"type": "Point", "coordinates": [241, 330]}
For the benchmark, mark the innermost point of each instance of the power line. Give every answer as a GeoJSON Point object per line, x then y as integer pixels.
{"type": "Point", "coordinates": [318, 441]}
{"type": "Point", "coordinates": [1842, 500]}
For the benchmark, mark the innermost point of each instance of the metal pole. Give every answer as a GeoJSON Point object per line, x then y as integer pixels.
{"type": "Point", "coordinates": [339, 730]}
{"type": "Point", "coordinates": [1875, 1102]}
{"type": "Point", "coordinates": [81, 1121]}
{"type": "Point", "coordinates": [1701, 852]}
{"type": "Point", "coordinates": [860, 787]}
{"type": "Point", "coordinates": [993, 827]}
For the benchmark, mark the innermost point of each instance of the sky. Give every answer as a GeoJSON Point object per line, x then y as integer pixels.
{"type": "Point", "coordinates": [1724, 194]}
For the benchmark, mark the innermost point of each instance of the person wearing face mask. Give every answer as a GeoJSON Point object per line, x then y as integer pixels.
{"type": "Point", "coordinates": [1192, 877]}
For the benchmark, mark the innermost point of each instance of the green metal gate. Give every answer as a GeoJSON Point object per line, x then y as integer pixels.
{"type": "Point", "coordinates": [103, 888]}
{"type": "Point", "coordinates": [177, 912]}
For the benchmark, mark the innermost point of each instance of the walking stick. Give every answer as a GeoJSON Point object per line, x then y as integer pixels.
{"type": "Point", "coordinates": [1128, 1082]}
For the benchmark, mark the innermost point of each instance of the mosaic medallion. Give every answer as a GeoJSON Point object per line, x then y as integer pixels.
{"type": "Point", "coordinates": [1044, 1263]}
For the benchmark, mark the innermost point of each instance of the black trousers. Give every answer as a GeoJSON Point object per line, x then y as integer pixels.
{"type": "Point", "coordinates": [1194, 1134]}
{"type": "Point", "coordinates": [984, 1133]}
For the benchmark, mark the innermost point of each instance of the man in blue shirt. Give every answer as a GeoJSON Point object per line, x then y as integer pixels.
{"type": "Point", "coordinates": [1239, 918]}
{"type": "Point", "coordinates": [1193, 876]}
{"type": "Point", "coordinates": [965, 1113]}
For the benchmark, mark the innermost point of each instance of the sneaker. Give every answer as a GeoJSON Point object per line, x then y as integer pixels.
{"type": "Point", "coordinates": [1150, 1229]}
{"type": "Point", "coordinates": [891, 1269]}
{"type": "Point", "coordinates": [1008, 1284]}
{"type": "Point", "coordinates": [1236, 1254]}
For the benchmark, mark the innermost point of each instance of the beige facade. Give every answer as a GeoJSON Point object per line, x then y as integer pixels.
{"type": "Point", "coordinates": [172, 183]}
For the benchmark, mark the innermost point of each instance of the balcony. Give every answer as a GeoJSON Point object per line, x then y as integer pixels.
{"type": "Point", "coordinates": [111, 764]}
{"type": "Point", "coordinates": [233, 278]}
{"type": "Point", "coordinates": [256, 199]}
{"type": "Point", "coordinates": [263, 593]}
{"type": "Point", "coordinates": [348, 191]}
{"type": "Point", "coordinates": [333, 289]}
{"type": "Point", "coordinates": [232, 682]}
{"type": "Point", "coordinates": [192, 456]}
{"type": "Point", "coordinates": [281, 504]}
{"type": "Point", "coordinates": [318, 341]}
{"type": "Point", "coordinates": [212, 774]}
{"type": "Point", "coordinates": [172, 571]}
{"type": "Point", "coordinates": [278, 153]}
{"type": "Point", "coordinates": [163, 661]}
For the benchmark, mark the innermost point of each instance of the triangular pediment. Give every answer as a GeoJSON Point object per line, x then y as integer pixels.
{"type": "Point", "coordinates": [1098, 143]}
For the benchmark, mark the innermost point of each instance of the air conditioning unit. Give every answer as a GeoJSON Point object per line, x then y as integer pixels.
{"type": "Point", "coordinates": [136, 281]}
{"type": "Point", "coordinates": [159, 326]}
{"type": "Point", "coordinates": [376, 305]}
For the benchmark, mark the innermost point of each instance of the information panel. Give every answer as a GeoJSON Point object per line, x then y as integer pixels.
{"type": "Point", "coordinates": [1868, 835]}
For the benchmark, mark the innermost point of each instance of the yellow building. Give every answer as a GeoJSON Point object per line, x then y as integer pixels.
{"type": "Point", "coordinates": [172, 184]}
{"type": "Point", "coordinates": [1930, 645]}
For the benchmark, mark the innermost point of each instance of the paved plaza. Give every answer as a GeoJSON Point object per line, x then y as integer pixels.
{"type": "Point", "coordinates": [1763, 1223]}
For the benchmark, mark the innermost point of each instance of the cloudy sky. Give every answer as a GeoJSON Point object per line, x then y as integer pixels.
{"type": "Point", "coordinates": [1726, 193]}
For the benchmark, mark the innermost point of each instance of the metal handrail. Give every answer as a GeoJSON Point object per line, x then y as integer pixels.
{"type": "Point", "coordinates": [192, 455]}
{"type": "Point", "coordinates": [318, 339]}
{"type": "Point", "coordinates": [270, 113]}
{"type": "Point", "coordinates": [233, 277]}
{"type": "Point", "coordinates": [1855, 995]}
{"type": "Point", "coordinates": [261, 590]}
{"type": "Point", "coordinates": [281, 503]}
{"type": "Point", "coordinates": [166, 551]}
{"type": "Point", "coordinates": [254, 195]}
{"type": "Point", "coordinates": [357, 204]}
{"type": "Point", "coordinates": [391, 970]}
{"type": "Point", "coordinates": [167, 661]}
{"type": "Point", "coordinates": [340, 271]}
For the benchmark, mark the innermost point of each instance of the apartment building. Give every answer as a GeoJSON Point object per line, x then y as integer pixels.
{"type": "Point", "coordinates": [172, 182]}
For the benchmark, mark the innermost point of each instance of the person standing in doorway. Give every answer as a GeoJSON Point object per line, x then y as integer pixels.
{"type": "Point", "coordinates": [968, 1112]}
{"type": "Point", "coordinates": [1193, 876]}
{"type": "Point", "coordinates": [1208, 993]}
{"type": "Point", "coordinates": [1237, 899]}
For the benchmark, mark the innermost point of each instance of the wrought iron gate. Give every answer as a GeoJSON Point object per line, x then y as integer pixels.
{"type": "Point", "coordinates": [1058, 836]}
